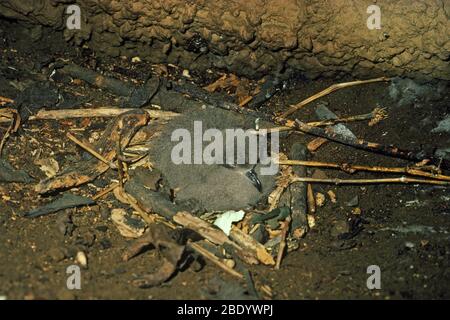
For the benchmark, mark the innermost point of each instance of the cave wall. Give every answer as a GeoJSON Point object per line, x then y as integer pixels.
{"type": "Point", "coordinates": [254, 37]}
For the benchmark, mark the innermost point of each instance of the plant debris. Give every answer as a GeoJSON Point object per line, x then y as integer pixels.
{"type": "Point", "coordinates": [68, 200]}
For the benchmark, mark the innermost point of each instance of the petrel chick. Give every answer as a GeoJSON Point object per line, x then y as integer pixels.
{"type": "Point", "coordinates": [223, 186]}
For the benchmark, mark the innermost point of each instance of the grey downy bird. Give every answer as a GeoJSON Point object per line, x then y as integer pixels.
{"type": "Point", "coordinates": [213, 186]}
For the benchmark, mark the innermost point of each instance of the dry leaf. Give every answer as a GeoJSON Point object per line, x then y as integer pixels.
{"type": "Point", "coordinates": [264, 257]}
{"type": "Point", "coordinates": [225, 82]}
{"type": "Point", "coordinates": [332, 196]}
{"type": "Point", "coordinates": [128, 227]}
{"type": "Point", "coordinates": [315, 144]}
{"type": "Point", "coordinates": [49, 166]}
{"type": "Point", "coordinates": [283, 181]}
{"type": "Point", "coordinates": [247, 242]}
{"type": "Point", "coordinates": [311, 221]}
{"type": "Point", "coordinates": [320, 199]}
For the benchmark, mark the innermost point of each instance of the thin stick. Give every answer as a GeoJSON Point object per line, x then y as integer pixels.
{"type": "Point", "coordinates": [282, 246]}
{"type": "Point", "coordinates": [106, 191]}
{"type": "Point", "coordinates": [370, 181]}
{"type": "Point", "coordinates": [377, 114]}
{"type": "Point", "coordinates": [120, 165]}
{"type": "Point", "coordinates": [349, 168]}
{"type": "Point", "coordinates": [14, 125]}
{"type": "Point", "coordinates": [311, 199]}
{"type": "Point", "coordinates": [211, 257]}
{"type": "Point", "coordinates": [6, 136]}
{"type": "Point", "coordinates": [89, 149]}
{"type": "Point", "coordinates": [327, 91]}
{"type": "Point", "coordinates": [245, 101]}
{"type": "Point", "coordinates": [94, 113]}
{"type": "Point", "coordinates": [4, 100]}
{"type": "Point", "coordinates": [388, 150]}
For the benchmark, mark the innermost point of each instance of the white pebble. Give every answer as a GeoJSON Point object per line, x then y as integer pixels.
{"type": "Point", "coordinates": [136, 60]}
{"type": "Point", "coordinates": [186, 73]}
{"type": "Point", "coordinates": [230, 263]}
{"type": "Point", "coordinates": [81, 259]}
{"type": "Point", "coordinates": [409, 245]}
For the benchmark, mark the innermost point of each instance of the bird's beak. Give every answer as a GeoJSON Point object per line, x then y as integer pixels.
{"type": "Point", "coordinates": [253, 176]}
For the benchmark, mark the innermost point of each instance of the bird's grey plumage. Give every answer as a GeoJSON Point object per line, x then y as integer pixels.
{"type": "Point", "coordinates": [214, 187]}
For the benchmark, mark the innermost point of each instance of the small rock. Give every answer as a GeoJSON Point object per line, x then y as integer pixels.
{"type": "Point", "coordinates": [104, 213]}
{"type": "Point", "coordinates": [261, 235]}
{"type": "Point", "coordinates": [86, 239]}
{"type": "Point", "coordinates": [443, 126]}
{"type": "Point", "coordinates": [326, 114]}
{"type": "Point", "coordinates": [353, 202]}
{"type": "Point", "coordinates": [81, 259]}
{"type": "Point", "coordinates": [105, 244]}
{"type": "Point", "coordinates": [186, 73]}
{"type": "Point", "coordinates": [71, 251]}
{"type": "Point", "coordinates": [102, 228]}
{"type": "Point", "coordinates": [64, 224]}
{"type": "Point", "coordinates": [443, 153]}
{"type": "Point", "coordinates": [273, 242]}
{"type": "Point", "coordinates": [340, 227]}
{"type": "Point", "coordinates": [409, 245]}
{"type": "Point", "coordinates": [136, 59]}
{"type": "Point", "coordinates": [56, 254]}
{"type": "Point", "coordinates": [230, 263]}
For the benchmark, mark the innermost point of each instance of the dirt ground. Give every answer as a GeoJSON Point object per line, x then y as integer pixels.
{"type": "Point", "coordinates": [406, 227]}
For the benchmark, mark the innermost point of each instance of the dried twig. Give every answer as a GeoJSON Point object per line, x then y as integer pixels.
{"type": "Point", "coordinates": [214, 235]}
{"type": "Point", "coordinates": [349, 168]}
{"type": "Point", "coordinates": [211, 257]}
{"type": "Point", "coordinates": [377, 114]}
{"type": "Point", "coordinates": [123, 127]}
{"type": "Point", "coordinates": [311, 199]}
{"type": "Point", "coordinates": [245, 101]}
{"type": "Point", "coordinates": [4, 100]}
{"type": "Point", "coordinates": [248, 243]}
{"type": "Point", "coordinates": [106, 191]}
{"type": "Point", "coordinates": [282, 246]}
{"type": "Point", "coordinates": [315, 144]}
{"type": "Point", "coordinates": [388, 150]}
{"type": "Point", "coordinates": [106, 112]}
{"type": "Point", "coordinates": [329, 90]}
{"type": "Point", "coordinates": [6, 136]}
{"type": "Point", "coordinates": [370, 181]}
{"type": "Point", "coordinates": [89, 149]}
{"type": "Point", "coordinates": [12, 128]}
